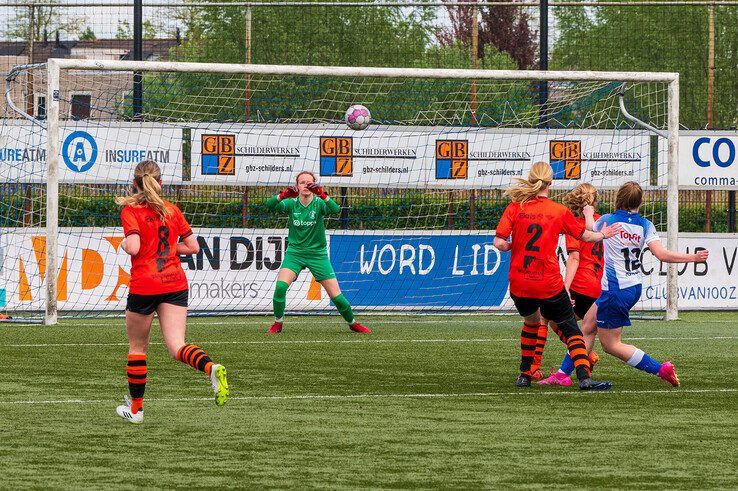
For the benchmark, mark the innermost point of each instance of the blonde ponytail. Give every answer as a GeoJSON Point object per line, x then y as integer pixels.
{"type": "Point", "coordinates": [540, 176]}
{"type": "Point", "coordinates": [147, 191]}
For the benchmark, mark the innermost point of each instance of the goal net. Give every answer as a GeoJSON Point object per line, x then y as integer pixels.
{"type": "Point", "coordinates": [420, 190]}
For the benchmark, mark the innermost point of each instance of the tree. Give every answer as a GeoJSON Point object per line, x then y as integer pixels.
{"type": "Point", "coordinates": [88, 35]}
{"type": "Point", "coordinates": [648, 38]}
{"type": "Point", "coordinates": [350, 36]}
{"type": "Point", "coordinates": [353, 36]}
{"type": "Point", "coordinates": [507, 28]}
{"type": "Point", "coordinates": [45, 19]}
{"type": "Point", "coordinates": [125, 31]}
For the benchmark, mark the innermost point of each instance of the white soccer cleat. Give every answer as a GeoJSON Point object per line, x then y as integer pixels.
{"type": "Point", "coordinates": [220, 384]}
{"type": "Point", "coordinates": [124, 411]}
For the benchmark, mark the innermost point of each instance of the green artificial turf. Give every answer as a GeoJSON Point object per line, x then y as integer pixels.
{"type": "Point", "coordinates": [424, 402]}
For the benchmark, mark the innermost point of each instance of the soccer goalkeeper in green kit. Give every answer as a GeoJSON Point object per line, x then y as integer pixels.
{"type": "Point", "coordinates": [306, 204]}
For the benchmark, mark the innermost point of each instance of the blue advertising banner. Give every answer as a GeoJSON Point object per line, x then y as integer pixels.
{"type": "Point", "coordinates": [420, 270]}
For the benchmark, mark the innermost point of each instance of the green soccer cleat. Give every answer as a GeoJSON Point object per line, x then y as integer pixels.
{"type": "Point", "coordinates": [220, 384]}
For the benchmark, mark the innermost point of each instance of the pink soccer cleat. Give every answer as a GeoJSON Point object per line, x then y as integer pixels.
{"type": "Point", "coordinates": [556, 378]}
{"type": "Point", "coordinates": [668, 374]}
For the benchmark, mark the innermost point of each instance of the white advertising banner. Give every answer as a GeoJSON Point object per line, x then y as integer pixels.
{"type": "Point", "coordinates": [708, 159]}
{"type": "Point", "coordinates": [236, 270]}
{"type": "Point", "coordinates": [709, 286]}
{"type": "Point", "coordinates": [100, 154]}
{"type": "Point", "coordinates": [415, 157]}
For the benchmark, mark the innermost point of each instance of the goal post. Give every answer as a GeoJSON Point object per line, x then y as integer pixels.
{"type": "Point", "coordinates": [407, 107]}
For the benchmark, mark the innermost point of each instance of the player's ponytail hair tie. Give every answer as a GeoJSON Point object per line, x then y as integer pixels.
{"type": "Point", "coordinates": [147, 193]}
{"type": "Point", "coordinates": [540, 176]}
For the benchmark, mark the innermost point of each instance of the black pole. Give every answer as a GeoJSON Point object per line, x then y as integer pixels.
{"type": "Point", "coordinates": [543, 64]}
{"type": "Point", "coordinates": [137, 55]}
{"type": "Point", "coordinates": [731, 211]}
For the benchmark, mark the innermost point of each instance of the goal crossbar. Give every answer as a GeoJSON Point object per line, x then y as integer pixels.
{"type": "Point", "coordinates": [541, 75]}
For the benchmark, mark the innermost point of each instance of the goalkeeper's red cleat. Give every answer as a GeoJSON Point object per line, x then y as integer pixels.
{"type": "Point", "coordinates": [356, 327]}
{"type": "Point", "coordinates": [668, 374]}
{"type": "Point", "coordinates": [536, 374]}
{"type": "Point", "coordinates": [276, 328]}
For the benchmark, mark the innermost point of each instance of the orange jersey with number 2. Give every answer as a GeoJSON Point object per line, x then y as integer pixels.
{"type": "Point", "coordinates": [156, 268]}
{"type": "Point", "coordinates": [535, 227]}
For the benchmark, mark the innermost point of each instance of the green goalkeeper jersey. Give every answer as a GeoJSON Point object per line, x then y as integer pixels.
{"type": "Point", "coordinates": [307, 230]}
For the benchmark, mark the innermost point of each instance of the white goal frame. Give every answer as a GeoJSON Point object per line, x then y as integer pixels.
{"type": "Point", "coordinates": [55, 66]}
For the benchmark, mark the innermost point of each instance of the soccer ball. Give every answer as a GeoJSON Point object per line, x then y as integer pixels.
{"type": "Point", "coordinates": [358, 117]}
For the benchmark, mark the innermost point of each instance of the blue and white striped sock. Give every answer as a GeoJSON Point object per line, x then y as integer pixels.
{"type": "Point", "coordinates": [642, 361]}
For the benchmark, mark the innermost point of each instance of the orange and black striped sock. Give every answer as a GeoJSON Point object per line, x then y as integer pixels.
{"type": "Point", "coordinates": [136, 371]}
{"type": "Point", "coordinates": [568, 331]}
{"type": "Point", "coordinates": [540, 346]}
{"type": "Point", "coordinates": [578, 354]}
{"type": "Point", "coordinates": [555, 328]}
{"type": "Point", "coordinates": [195, 357]}
{"type": "Point", "coordinates": [528, 339]}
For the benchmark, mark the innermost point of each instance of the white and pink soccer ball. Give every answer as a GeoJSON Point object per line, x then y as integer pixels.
{"type": "Point", "coordinates": [358, 117]}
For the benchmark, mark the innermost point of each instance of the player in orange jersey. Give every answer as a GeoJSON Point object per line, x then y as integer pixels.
{"type": "Point", "coordinates": [583, 280]}
{"type": "Point", "coordinates": [536, 285]}
{"type": "Point", "coordinates": [156, 234]}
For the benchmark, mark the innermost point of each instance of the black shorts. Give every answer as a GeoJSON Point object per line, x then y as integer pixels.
{"type": "Point", "coordinates": [147, 304]}
{"type": "Point", "coordinates": [557, 308]}
{"type": "Point", "coordinates": [582, 303]}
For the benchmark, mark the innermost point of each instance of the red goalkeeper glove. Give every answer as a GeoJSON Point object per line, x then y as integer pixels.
{"type": "Point", "coordinates": [318, 191]}
{"type": "Point", "coordinates": [289, 192]}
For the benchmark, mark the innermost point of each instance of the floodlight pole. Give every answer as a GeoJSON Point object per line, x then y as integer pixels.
{"type": "Point", "coordinates": [138, 56]}
{"type": "Point", "coordinates": [543, 64]}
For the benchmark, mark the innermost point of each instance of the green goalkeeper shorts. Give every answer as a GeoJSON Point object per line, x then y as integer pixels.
{"type": "Point", "coordinates": [318, 264]}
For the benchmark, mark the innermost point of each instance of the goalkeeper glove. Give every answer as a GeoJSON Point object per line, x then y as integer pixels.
{"type": "Point", "coordinates": [288, 192]}
{"type": "Point", "coordinates": [318, 191]}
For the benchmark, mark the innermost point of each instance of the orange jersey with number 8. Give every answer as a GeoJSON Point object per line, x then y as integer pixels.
{"type": "Point", "coordinates": [156, 268]}
{"type": "Point", "coordinates": [535, 227]}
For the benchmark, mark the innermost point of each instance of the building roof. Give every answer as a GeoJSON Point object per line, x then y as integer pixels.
{"type": "Point", "coordinates": [42, 51]}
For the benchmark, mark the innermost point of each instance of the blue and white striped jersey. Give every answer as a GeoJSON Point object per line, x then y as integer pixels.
{"type": "Point", "coordinates": [623, 251]}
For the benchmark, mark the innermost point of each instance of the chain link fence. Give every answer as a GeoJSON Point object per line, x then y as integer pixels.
{"type": "Point", "coordinates": [698, 39]}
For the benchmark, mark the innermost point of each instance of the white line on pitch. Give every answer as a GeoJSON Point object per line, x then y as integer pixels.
{"type": "Point", "coordinates": [355, 341]}
{"type": "Point", "coordinates": [457, 395]}
{"type": "Point", "coordinates": [250, 321]}
{"type": "Point", "coordinates": [414, 320]}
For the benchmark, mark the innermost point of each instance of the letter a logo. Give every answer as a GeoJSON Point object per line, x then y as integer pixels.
{"type": "Point", "coordinates": [79, 152]}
